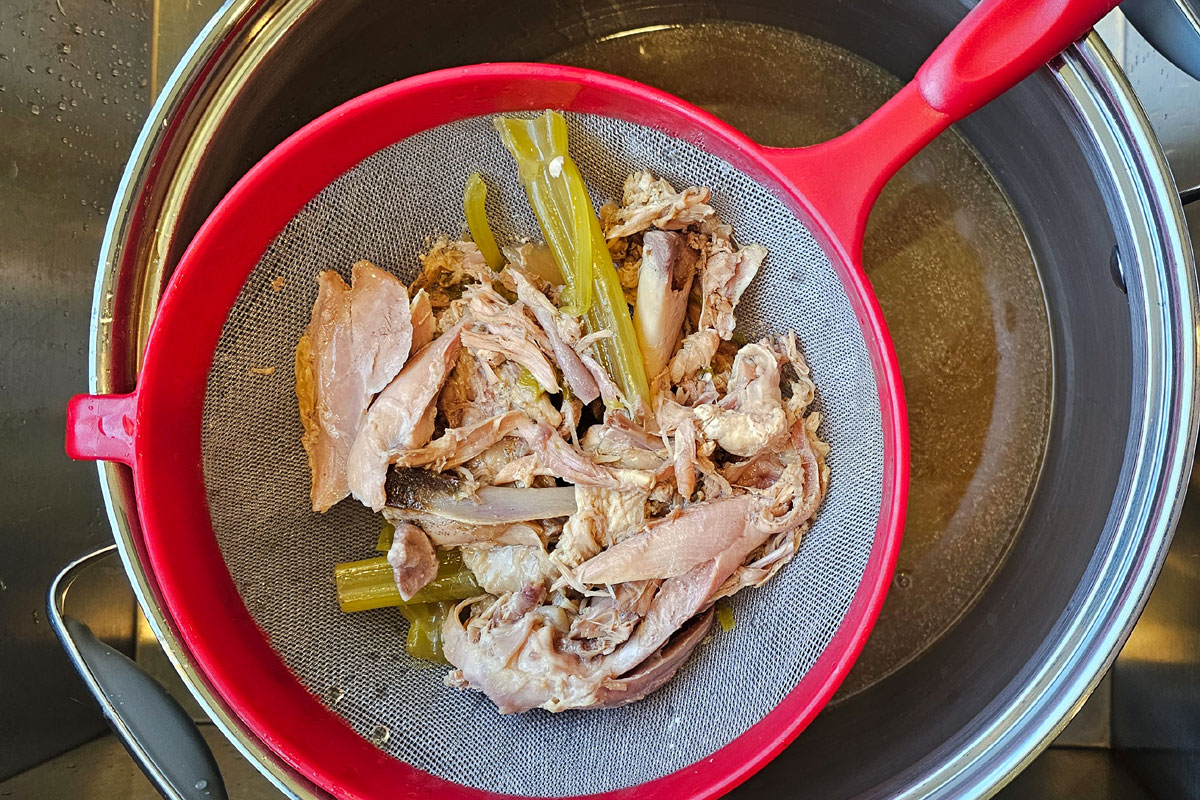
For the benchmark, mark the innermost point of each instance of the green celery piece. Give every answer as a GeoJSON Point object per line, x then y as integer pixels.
{"type": "Point", "coordinates": [369, 583]}
{"type": "Point", "coordinates": [474, 195]}
{"type": "Point", "coordinates": [560, 202]}
{"type": "Point", "coordinates": [725, 616]}
{"type": "Point", "coordinates": [530, 383]}
{"type": "Point", "coordinates": [387, 533]}
{"type": "Point", "coordinates": [535, 145]}
{"type": "Point", "coordinates": [425, 622]}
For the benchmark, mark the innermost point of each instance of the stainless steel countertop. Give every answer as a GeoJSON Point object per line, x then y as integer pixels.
{"type": "Point", "coordinates": [76, 80]}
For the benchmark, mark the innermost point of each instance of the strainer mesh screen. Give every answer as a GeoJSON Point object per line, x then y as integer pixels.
{"type": "Point", "coordinates": [281, 555]}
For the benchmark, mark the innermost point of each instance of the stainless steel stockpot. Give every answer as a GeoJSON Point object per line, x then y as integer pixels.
{"type": "Point", "coordinates": [1075, 155]}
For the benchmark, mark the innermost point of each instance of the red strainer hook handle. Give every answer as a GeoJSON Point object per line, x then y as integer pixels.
{"type": "Point", "coordinates": [996, 46]}
{"type": "Point", "coordinates": [101, 427]}
{"type": "Point", "coordinates": [999, 44]}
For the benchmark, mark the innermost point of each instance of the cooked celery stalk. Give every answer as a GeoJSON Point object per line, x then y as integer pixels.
{"type": "Point", "coordinates": [473, 205]}
{"type": "Point", "coordinates": [585, 241]}
{"type": "Point", "coordinates": [369, 583]}
{"type": "Point", "coordinates": [539, 147]}
{"type": "Point", "coordinates": [386, 534]}
{"type": "Point", "coordinates": [529, 383]}
{"type": "Point", "coordinates": [425, 629]}
{"type": "Point", "coordinates": [561, 204]}
{"type": "Point", "coordinates": [725, 616]}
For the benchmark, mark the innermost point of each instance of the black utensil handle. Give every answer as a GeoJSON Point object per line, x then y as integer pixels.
{"type": "Point", "coordinates": [1190, 195]}
{"type": "Point", "coordinates": [1172, 27]}
{"type": "Point", "coordinates": [162, 738]}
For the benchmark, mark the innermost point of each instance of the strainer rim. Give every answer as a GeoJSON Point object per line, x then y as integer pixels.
{"type": "Point", "coordinates": [181, 346]}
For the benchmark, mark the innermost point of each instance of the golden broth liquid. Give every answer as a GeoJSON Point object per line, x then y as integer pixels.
{"type": "Point", "coordinates": [954, 275]}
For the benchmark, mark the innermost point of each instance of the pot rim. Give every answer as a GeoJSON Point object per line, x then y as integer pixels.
{"type": "Point", "coordinates": [1006, 736]}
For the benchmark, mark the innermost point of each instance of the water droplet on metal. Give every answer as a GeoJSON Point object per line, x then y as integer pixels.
{"type": "Point", "coordinates": [29, 68]}
{"type": "Point", "coordinates": [201, 784]}
{"type": "Point", "coordinates": [380, 734]}
{"type": "Point", "coordinates": [35, 109]}
{"type": "Point", "coordinates": [903, 579]}
{"type": "Point", "coordinates": [76, 29]}
{"type": "Point", "coordinates": [333, 694]}
{"type": "Point", "coordinates": [64, 48]}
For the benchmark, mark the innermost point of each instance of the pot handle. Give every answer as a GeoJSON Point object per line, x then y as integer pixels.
{"type": "Point", "coordinates": [1172, 27]}
{"type": "Point", "coordinates": [100, 427]}
{"type": "Point", "coordinates": [162, 738]}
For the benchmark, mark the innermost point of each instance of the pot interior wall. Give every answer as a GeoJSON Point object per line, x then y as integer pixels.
{"type": "Point", "coordinates": [1037, 154]}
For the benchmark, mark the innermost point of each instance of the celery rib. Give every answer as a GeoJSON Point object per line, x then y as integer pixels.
{"type": "Point", "coordinates": [369, 583]}
{"type": "Point", "coordinates": [474, 197]}
{"type": "Point", "coordinates": [560, 202]}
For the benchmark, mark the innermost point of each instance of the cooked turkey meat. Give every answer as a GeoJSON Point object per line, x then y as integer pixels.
{"type": "Point", "coordinates": [600, 532]}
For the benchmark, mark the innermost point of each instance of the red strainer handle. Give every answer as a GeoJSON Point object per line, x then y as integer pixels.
{"type": "Point", "coordinates": [101, 427]}
{"type": "Point", "coordinates": [997, 45]}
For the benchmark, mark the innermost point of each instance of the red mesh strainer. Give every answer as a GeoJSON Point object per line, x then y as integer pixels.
{"type": "Point", "coordinates": [243, 568]}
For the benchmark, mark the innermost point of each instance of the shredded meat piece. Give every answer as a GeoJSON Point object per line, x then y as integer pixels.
{"type": "Point", "coordinates": [685, 458]}
{"type": "Point", "coordinates": [446, 267]}
{"type": "Point", "coordinates": [602, 517]}
{"type": "Point", "coordinates": [724, 278]}
{"type": "Point", "coordinates": [357, 341]}
{"type": "Point", "coordinates": [563, 460]}
{"type": "Point", "coordinates": [801, 389]}
{"type": "Point", "coordinates": [674, 544]}
{"type": "Point", "coordinates": [607, 620]}
{"type": "Point", "coordinates": [656, 670]}
{"type": "Point", "coordinates": [522, 351]}
{"type": "Point", "coordinates": [521, 470]}
{"type": "Point", "coordinates": [795, 495]}
{"type": "Point", "coordinates": [615, 446]}
{"type": "Point", "coordinates": [424, 325]}
{"type": "Point", "coordinates": [696, 354]}
{"type": "Point", "coordinates": [508, 568]}
{"type": "Point", "coordinates": [401, 418]}
{"type": "Point", "coordinates": [608, 389]}
{"type": "Point", "coordinates": [663, 286]}
{"type": "Point", "coordinates": [458, 445]}
{"type": "Point", "coordinates": [751, 415]}
{"type": "Point", "coordinates": [650, 201]}
{"type": "Point", "coordinates": [414, 562]}
{"type": "Point", "coordinates": [511, 649]}
{"type": "Point", "coordinates": [574, 372]}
